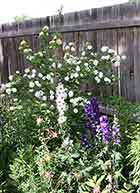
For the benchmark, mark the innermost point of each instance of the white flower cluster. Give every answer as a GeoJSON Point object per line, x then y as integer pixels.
{"type": "Point", "coordinates": [8, 88]}
{"type": "Point", "coordinates": [60, 103]}
{"type": "Point", "coordinates": [40, 95]}
{"type": "Point", "coordinates": [76, 102]}
{"type": "Point", "coordinates": [83, 66]}
{"type": "Point", "coordinates": [111, 54]}
{"type": "Point", "coordinates": [69, 47]}
{"type": "Point", "coordinates": [32, 74]}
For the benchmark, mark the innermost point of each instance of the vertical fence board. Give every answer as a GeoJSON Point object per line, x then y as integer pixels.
{"type": "Point", "coordinates": [125, 47]}
{"type": "Point", "coordinates": [137, 63]}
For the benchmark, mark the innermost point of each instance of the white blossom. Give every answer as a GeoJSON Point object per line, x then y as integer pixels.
{"type": "Point", "coordinates": [3, 87]}
{"type": "Point", "coordinates": [111, 51]}
{"type": "Point", "coordinates": [95, 62]}
{"type": "Point", "coordinates": [70, 94]}
{"type": "Point", "coordinates": [8, 85]}
{"type": "Point", "coordinates": [71, 43]}
{"type": "Point", "coordinates": [76, 75]}
{"type": "Point", "coordinates": [14, 90]}
{"type": "Point", "coordinates": [72, 76]}
{"type": "Point", "coordinates": [59, 65]}
{"type": "Point", "coordinates": [105, 57]}
{"type": "Point", "coordinates": [44, 78]}
{"type": "Point", "coordinates": [31, 84]}
{"type": "Point", "coordinates": [39, 94]}
{"type": "Point", "coordinates": [17, 72]}
{"type": "Point", "coordinates": [97, 79]}
{"type": "Point", "coordinates": [30, 58]}
{"type": "Point", "coordinates": [51, 92]}
{"type": "Point", "coordinates": [34, 71]}
{"type": "Point", "coordinates": [77, 68]}
{"type": "Point", "coordinates": [48, 77]}
{"type": "Point", "coordinates": [40, 54]}
{"type": "Point", "coordinates": [12, 108]}
{"type": "Point", "coordinates": [66, 78]}
{"type": "Point", "coordinates": [15, 99]}
{"type": "Point", "coordinates": [32, 76]}
{"type": "Point", "coordinates": [59, 42]}
{"type": "Point", "coordinates": [54, 65]}
{"type": "Point", "coordinates": [37, 83]}
{"type": "Point", "coordinates": [104, 49]}
{"type": "Point", "coordinates": [75, 110]}
{"type": "Point", "coordinates": [44, 98]}
{"type": "Point", "coordinates": [108, 80]}
{"type": "Point", "coordinates": [11, 77]}
{"type": "Point", "coordinates": [73, 49]}
{"type": "Point", "coordinates": [66, 47]}
{"type": "Point", "coordinates": [89, 47]}
{"type": "Point", "coordinates": [8, 91]}
{"type": "Point", "coordinates": [96, 72]}
{"type": "Point", "coordinates": [51, 97]}
{"type": "Point", "coordinates": [67, 142]}
{"type": "Point", "coordinates": [40, 75]}
{"type": "Point", "coordinates": [52, 80]}
{"type": "Point", "coordinates": [62, 119]}
{"type": "Point", "coordinates": [123, 57]}
{"type": "Point", "coordinates": [27, 70]}
{"type": "Point", "coordinates": [86, 64]}
{"type": "Point", "coordinates": [31, 90]}
{"type": "Point", "coordinates": [118, 58]}
{"type": "Point", "coordinates": [19, 107]}
{"type": "Point", "coordinates": [29, 76]}
{"type": "Point", "coordinates": [100, 75]}
{"type": "Point", "coordinates": [2, 95]}
{"type": "Point", "coordinates": [83, 53]}
{"type": "Point", "coordinates": [79, 62]}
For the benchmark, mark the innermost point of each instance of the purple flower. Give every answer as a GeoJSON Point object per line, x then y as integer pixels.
{"type": "Point", "coordinates": [104, 124]}
{"type": "Point", "coordinates": [116, 131]}
{"type": "Point", "coordinates": [92, 114]}
{"type": "Point", "coordinates": [85, 141]}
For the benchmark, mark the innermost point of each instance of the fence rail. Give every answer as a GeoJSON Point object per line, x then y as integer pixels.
{"type": "Point", "coordinates": [117, 27]}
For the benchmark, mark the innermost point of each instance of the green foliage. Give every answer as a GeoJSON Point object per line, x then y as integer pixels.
{"type": "Point", "coordinates": [21, 18]}
{"type": "Point", "coordinates": [134, 157]}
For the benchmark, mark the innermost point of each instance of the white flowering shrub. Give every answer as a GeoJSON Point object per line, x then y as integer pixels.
{"type": "Point", "coordinates": [44, 113]}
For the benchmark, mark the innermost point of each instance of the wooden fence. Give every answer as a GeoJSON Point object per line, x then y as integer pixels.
{"type": "Point", "coordinates": [117, 27]}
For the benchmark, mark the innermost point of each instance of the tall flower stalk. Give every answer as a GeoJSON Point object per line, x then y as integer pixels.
{"type": "Point", "coordinates": [92, 114]}
{"type": "Point", "coordinates": [60, 103]}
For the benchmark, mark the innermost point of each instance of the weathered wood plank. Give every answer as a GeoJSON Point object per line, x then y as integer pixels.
{"type": "Point", "coordinates": [136, 52]}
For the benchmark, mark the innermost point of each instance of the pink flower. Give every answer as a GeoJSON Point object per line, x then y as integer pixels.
{"type": "Point", "coordinates": [52, 133]}
{"type": "Point", "coordinates": [96, 190]}
{"type": "Point", "coordinates": [48, 175]}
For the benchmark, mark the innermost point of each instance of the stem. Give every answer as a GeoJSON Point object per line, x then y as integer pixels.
{"type": "Point", "coordinates": [113, 182]}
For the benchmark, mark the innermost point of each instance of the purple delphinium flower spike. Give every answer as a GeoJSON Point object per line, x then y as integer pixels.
{"type": "Point", "coordinates": [104, 124]}
{"type": "Point", "coordinates": [85, 141]}
{"type": "Point", "coordinates": [95, 107]}
{"type": "Point", "coordinates": [92, 114]}
{"type": "Point", "coordinates": [116, 131]}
